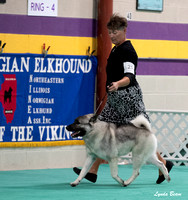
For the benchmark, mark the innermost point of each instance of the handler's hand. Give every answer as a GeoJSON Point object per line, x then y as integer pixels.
{"type": "Point", "coordinates": [113, 87]}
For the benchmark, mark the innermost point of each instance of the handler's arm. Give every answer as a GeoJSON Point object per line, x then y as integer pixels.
{"type": "Point", "coordinates": [125, 81]}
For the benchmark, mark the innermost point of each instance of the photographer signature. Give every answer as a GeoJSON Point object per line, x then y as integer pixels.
{"type": "Point", "coordinates": [167, 194]}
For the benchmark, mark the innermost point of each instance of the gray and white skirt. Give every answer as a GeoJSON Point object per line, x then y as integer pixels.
{"type": "Point", "coordinates": [123, 106]}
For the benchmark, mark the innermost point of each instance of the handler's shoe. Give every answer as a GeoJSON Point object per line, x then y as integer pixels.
{"type": "Point", "coordinates": [169, 166]}
{"type": "Point", "coordinates": [89, 176]}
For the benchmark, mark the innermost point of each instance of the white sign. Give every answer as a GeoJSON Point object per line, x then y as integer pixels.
{"type": "Point", "coordinates": [42, 7]}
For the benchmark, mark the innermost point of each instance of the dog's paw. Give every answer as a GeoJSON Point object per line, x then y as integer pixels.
{"type": "Point", "coordinates": [125, 184]}
{"type": "Point", "coordinates": [168, 179]}
{"type": "Point", "coordinates": [122, 184]}
{"type": "Point", "coordinates": [73, 184]}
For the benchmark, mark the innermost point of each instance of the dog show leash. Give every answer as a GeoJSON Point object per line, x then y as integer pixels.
{"type": "Point", "coordinates": [103, 99]}
{"type": "Point", "coordinates": [95, 115]}
{"type": "Point", "coordinates": [100, 103]}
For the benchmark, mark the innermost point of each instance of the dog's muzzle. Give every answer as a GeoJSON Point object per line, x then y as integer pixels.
{"type": "Point", "coordinates": [75, 132]}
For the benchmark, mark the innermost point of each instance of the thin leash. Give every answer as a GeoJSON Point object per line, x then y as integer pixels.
{"type": "Point", "coordinates": [100, 104]}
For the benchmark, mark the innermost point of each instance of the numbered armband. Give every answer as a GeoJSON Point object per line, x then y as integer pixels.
{"type": "Point", "coordinates": [129, 67]}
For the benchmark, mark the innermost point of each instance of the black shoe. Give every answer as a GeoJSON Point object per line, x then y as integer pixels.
{"type": "Point", "coordinates": [89, 176]}
{"type": "Point", "coordinates": [169, 166]}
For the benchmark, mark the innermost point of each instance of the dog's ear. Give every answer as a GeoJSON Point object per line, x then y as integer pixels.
{"type": "Point", "coordinates": [93, 119]}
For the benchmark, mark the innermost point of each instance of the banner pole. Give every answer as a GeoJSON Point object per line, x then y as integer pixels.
{"type": "Point", "coordinates": [104, 45]}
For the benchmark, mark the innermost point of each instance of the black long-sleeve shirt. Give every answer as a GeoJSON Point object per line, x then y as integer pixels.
{"type": "Point", "coordinates": [122, 62]}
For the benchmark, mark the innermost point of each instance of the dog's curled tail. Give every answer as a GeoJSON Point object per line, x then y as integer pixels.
{"type": "Point", "coordinates": [141, 122]}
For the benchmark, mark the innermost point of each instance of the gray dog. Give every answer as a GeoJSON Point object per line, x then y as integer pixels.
{"type": "Point", "coordinates": [108, 141]}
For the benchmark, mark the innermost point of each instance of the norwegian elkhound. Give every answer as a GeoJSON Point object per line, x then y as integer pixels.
{"type": "Point", "coordinates": [109, 141]}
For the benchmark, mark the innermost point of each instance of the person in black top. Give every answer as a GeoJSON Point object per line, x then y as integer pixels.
{"type": "Point", "coordinates": [124, 100]}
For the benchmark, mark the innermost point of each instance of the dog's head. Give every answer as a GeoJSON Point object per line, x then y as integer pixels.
{"type": "Point", "coordinates": [82, 125]}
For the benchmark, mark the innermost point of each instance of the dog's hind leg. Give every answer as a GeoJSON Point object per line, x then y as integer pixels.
{"type": "Point", "coordinates": [114, 170]}
{"type": "Point", "coordinates": [139, 157]}
{"type": "Point", "coordinates": [155, 161]}
{"type": "Point", "coordinates": [137, 163]}
{"type": "Point", "coordinates": [87, 165]}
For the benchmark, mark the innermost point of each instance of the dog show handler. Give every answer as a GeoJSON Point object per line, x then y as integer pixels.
{"type": "Point", "coordinates": [124, 99]}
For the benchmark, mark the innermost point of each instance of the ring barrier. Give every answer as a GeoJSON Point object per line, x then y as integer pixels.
{"type": "Point", "coordinates": [171, 130]}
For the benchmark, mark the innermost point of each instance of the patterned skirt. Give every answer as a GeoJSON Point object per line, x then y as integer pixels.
{"type": "Point", "coordinates": [123, 106]}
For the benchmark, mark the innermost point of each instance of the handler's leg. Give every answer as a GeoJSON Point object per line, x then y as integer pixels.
{"type": "Point", "coordinates": [87, 165]}
{"type": "Point", "coordinates": [95, 167]}
{"type": "Point", "coordinates": [92, 174]}
{"type": "Point", "coordinates": [168, 165]}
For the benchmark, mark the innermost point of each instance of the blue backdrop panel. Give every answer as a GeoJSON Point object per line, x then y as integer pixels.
{"type": "Point", "coordinates": [40, 96]}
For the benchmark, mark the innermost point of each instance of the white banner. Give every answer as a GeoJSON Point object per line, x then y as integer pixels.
{"type": "Point", "coordinates": [43, 8]}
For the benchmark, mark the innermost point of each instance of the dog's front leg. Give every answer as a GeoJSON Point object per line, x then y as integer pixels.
{"type": "Point", "coordinates": [87, 165]}
{"type": "Point", "coordinates": [114, 171]}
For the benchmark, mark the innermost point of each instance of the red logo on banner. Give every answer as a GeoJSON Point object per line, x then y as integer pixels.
{"type": "Point", "coordinates": [8, 95]}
